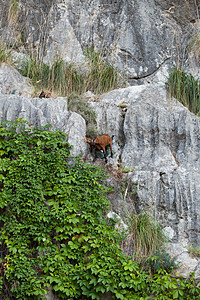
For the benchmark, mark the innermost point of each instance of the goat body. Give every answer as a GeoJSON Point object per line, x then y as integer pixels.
{"type": "Point", "coordinates": [100, 143]}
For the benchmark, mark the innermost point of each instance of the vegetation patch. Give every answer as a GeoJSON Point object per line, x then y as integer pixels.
{"type": "Point", "coordinates": [161, 260]}
{"type": "Point", "coordinates": [4, 54]}
{"type": "Point", "coordinates": [53, 229]}
{"type": "Point", "coordinates": [144, 234]}
{"type": "Point", "coordinates": [77, 104]}
{"type": "Point", "coordinates": [194, 250]}
{"type": "Point", "coordinates": [102, 76]}
{"type": "Point", "coordinates": [194, 44]}
{"type": "Point", "coordinates": [13, 12]}
{"type": "Point", "coordinates": [185, 88]}
{"type": "Point", "coordinates": [64, 78]}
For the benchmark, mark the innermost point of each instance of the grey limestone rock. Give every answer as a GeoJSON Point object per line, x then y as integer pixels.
{"type": "Point", "coordinates": [138, 37]}
{"type": "Point", "coordinates": [12, 82]}
{"type": "Point", "coordinates": [41, 112]}
{"type": "Point", "coordinates": [158, 139]}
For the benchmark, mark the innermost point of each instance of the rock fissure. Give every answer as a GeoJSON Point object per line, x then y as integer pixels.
{"type": "Point", "coordinates": [149, 74]}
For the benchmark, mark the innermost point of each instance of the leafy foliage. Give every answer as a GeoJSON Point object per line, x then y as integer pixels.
{"type": "Point", "coordinates": [185, 88]}
{"type": "Point", "coordinates": [53, 226]}
{"type": "Point", "coordinates": [162, 260]}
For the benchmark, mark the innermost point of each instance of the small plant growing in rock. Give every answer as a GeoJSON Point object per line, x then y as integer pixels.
{"type": "Point", "coordinates": [125, 169]}
{"type": "Point", "coordinates": [185, 88]}
{"type": "Point", "coordinates": [4, 53]}
{"type": "Point", "coordinates": [13, 12]}
{"type": "Point", "coordinates": [77, 104]}
{"type": "Point", "coordinates": [194, 250]}
{"type": "Point", "coordinates": [161, 260]}
{"type": "Point", "coordinates": [194, 44]}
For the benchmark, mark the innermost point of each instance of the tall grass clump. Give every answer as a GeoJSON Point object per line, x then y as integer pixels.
{"type": "Point", "coordinates": [4, 54]}
{"type": "Point", "coordinates": [13, 12]}
{"type": "Point", "coordinates": [36, 70]}
{"type": "Point", "coordinates": [61, 78]}
{"type": "Point", "coordinates": [145, 235]}
{"type": "Point", "coordinates": [194, 250]}
{"type": "Point", "coordinates": [102, 76]}
{"type": "Point", "coordinates": [64, 78]}
{"type": "Point", "coordinates": [185, 88]}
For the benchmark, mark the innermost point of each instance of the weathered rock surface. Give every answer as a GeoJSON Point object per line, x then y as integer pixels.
{"type": "Point", "coordinates": [141, 38]}
{"type": "Point", "coordinates": [158, 139]}
{"type": "Point", "coordinates": [12, 82]}
{"type": "Point", "coordinates": [46, 111]}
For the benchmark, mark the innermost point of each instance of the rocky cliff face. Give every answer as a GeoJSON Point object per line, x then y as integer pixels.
{"type": "Point", "coordinates": [159, 140]}
{"type": "Point", "coordinates": [155, 137]}
{"type": "Point", "coordinates": [141, 38]}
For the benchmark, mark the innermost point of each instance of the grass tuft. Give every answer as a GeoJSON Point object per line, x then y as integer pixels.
{"type": "Point", "coordinates": [4, 54]}
{"type": "Point", "coordinates": [194, 250]}
{"type": "Point", "coordinates": [102, 76]}
{"type": "Point", "coordinates": [144, 234]}
{"type": "Point", "coordinates": [60, 78]}
{"type": "Point", "coordinates": [185, 88]}
{"type": "Point", "coordinates": [13, 12]}
{"type": "Point", "coordinates": [64, 79]}
{"type": "Point", "coordinates": [194, 44]}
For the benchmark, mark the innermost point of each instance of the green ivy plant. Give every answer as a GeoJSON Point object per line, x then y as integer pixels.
{"type": "Point", "coordinates": [53, 229]}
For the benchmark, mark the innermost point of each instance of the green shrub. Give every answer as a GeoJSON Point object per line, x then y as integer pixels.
{"type": "Point", "coordinates": [161, 260]}
{"type": "Point", "coordinates": [53, 229]}
{"type": "Point", "coordinates": [185, 88]}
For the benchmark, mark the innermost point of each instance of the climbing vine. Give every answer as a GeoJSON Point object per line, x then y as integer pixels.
{"type": "Point", "coordinates": [54, 231]}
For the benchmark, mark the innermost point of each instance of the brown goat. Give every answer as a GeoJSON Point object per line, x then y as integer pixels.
{"type": "Point", "coordinates": [100, 143]}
